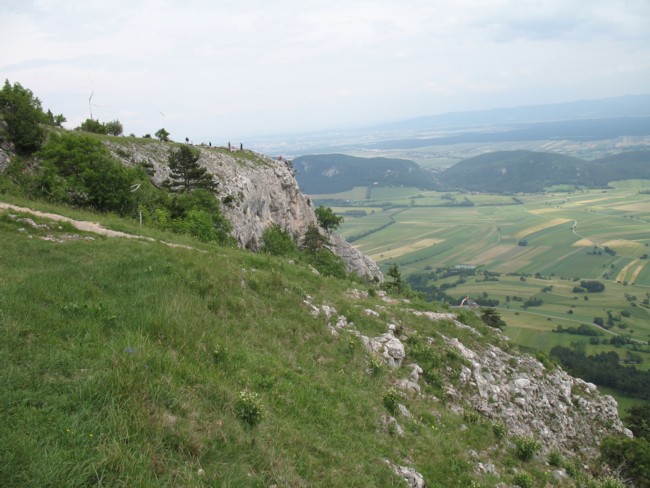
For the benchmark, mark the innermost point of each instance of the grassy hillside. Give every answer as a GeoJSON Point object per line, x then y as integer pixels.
{"type": "Point", "coordinates": [124, 362]}
{"type": "Point", "coordinates": [135, 363]}
{"type": "Point", "coordinates": [334, 173]}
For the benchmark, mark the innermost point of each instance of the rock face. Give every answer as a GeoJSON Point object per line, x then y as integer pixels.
{"type": "Point", "coordinates": [565, 413]}
{"type": "Point", "coordinates": [256, 192]}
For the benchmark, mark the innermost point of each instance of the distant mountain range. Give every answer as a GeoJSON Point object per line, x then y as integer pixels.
{"type": "Point", "coordinates": [334, 173]}
{"type": "Point", "coordinates": [615, 107]}
{"type": "Point", "coordinates": [495, 172]}
{"type": "Point", "coordinates": [575, 130]}
{"type": "Point", "coordinates": [584, 120]}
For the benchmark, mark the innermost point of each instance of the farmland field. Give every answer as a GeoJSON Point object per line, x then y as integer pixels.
{"type": "Point", "coordinates": [530, 247]}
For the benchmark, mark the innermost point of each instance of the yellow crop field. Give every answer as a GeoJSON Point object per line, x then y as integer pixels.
{"type": "Point", "coordinates": [625, 245]}
{"type": "Point", "coordinates": [637, 272]}
{"type": "Point", "coordinates": [542, 211]}
{"type": "Point", "coordinates": [400, 251]}
{"type": "Point", "coordinates": [584, 243]}
{"type": "Point", "coordinates": [623, 272]}
{"type": "Point", "coordinates": [492, 254]}
{"type": "Point", "coordinates": [543, 226]}
{"type": "Point", "coordinates": [634, 207]}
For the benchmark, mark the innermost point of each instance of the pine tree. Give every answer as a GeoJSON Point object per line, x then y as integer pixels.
{"type": "Point", "coordinates": [186, 173]}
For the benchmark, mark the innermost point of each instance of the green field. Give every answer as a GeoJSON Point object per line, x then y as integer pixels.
{"type": "Point", "coordinates": [553, 239]}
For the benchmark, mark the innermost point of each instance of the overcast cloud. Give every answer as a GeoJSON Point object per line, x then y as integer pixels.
{"type": "Point", "coordinates": [220, 70]}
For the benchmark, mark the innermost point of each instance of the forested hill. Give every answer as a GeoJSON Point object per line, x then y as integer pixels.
{"type": "Point", "coordinates": [333, 173]}
{"type": "Point", "coordinates": [530, 171]}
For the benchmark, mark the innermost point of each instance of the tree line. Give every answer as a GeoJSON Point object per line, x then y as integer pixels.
{"type": "Point", "coordinates": [604, 369]}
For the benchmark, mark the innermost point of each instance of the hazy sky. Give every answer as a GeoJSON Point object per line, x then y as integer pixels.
{"type": "Point", "coordinates": [220, 70]}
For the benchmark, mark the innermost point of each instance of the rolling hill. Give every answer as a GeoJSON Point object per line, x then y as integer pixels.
{"type": "Point", "coordinates": [531, 171]}
{"type": "Point", "coordinates": [334, 173]}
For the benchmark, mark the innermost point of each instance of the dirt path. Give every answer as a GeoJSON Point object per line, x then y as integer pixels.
{"type": "Point", "coordinates": [86, 226]}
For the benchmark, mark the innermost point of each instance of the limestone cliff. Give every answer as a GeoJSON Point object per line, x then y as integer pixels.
{"type": "Point", "coordinates": [256, 192]}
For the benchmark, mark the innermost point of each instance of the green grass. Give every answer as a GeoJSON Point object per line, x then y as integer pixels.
{"type": "Point", "coordinates": [123, 362]}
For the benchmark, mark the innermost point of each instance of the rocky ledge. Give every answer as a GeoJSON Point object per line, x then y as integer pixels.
{"type": "Point", "coordinates": [256, 191]}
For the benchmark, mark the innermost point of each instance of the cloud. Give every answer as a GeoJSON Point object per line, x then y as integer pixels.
{"type": "Point", "coordinates": [250, 66]}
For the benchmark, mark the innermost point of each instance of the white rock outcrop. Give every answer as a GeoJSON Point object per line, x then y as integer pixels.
{"type": "Point", "coordinates": [257, 191]}
{"type": "Point", "coordinates": [564, 412]}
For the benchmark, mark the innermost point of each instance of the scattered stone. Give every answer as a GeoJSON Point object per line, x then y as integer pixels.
{"type": "Point", "coordinates": [390, 426]}
{"type": "Point", "coordinates": [370, 312]}
{"type": "Point", "coordinates": [410, 475]}
{"type": "Point", "coordinates": [486, 469]}
{"type": "Point", "coordinates": [404, 411]}
{"type": "Point", "coordinates": [408, 386]}
{"type": "Point", "coordinates": [416, 372]}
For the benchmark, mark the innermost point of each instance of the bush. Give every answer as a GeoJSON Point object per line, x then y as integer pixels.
{"type": "Point", "coordinates": [526, 447]}
{"type": "Point", "coordinates": [630, 456]}
{"type": "Point", "coordinates": [499, 430]}
{"type": "Point", "coordinates": [472, 417]}
{"type": "Point", "coordinates": [608, 482]}
{"type": "Point", "coordinates": [375, 364]}
{"type": "Point", "coordinates": [92, 125]}
{"type": "Point", "coordinates": [327, 263]}
{"type": "Point", "coordinates": [278, 242]}
{"type": "Point", "coordinates": [249, 408]}
{"type": "Point", "coordinates": [391, 400]}
{"type": "Point", "coordinates": [79, 170]}
{"type": "Point", "coordinates": [524, 480]}
{"type": "Point", "coordinates": [555, 459]}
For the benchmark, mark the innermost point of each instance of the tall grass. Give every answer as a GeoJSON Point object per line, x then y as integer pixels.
{"type": "Point", "coordinates": [124, 361]}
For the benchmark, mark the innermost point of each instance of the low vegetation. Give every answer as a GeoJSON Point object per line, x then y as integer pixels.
{"type": "Point", "coordinates": [132, 362]}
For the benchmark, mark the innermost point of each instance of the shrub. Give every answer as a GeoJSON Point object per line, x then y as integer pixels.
{"type": "Point", "coordinates": [92, 125]}
{"type": "Point", "coordinates": [499, 430]}
{"type": "Point", "coordinates": [472, 417]}
{"type": "Point", "coordinates": [524, 480]}
{"type": "Point", "coordinates": [249, 408]}
{"type": "Point", "coordinates": [79, 170]}
{"type": "Point", "coordinates": [555, 459]}
{"type": "Point", "coordinates": [526, 447]}
{"type": "Point", "coordinates": [278, 242]}
{"type": "Point", "coordinates": [391, 400]}
{"type": "Point", "coordinates": [631, 456]}
{"type": "Point", "coordinates": [327, 263]}
{"type": "Point", "coordinates": [375, 364]}
{"type": "Point", "coordinates": [608, 482]}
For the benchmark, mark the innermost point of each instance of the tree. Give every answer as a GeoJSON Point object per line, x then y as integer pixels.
{"type": "Point", "coordinates": [162, 134]}
{"type": "Point", "coordinates": [23, 116]}
{"type": "Point", "coordinates": [79, 170]}
{"type": "Point", "coordinates": [114, 128]}
{"type": "Point", "coordinates": [92, 125]}
{"type": "Point", "coordinates": [186, 173]}
{"type": "Point", "coordinates": [491, 317]}
{"type": "Point", "coordinates": [638, 420]}
{"type": "Point", "coordinates": [327, 219]}
{"type": "Point", "coordinates": [592, 286]}
{"type": "Point", "coordinates": [396, 283]}
{"type": "Point", "coordinates": [313, 240]}
{"type": "Point", "coordinates": [56, 120]}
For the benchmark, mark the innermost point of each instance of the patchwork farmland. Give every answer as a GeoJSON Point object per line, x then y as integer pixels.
{"type": "Point", "coordinates": [538, 246]}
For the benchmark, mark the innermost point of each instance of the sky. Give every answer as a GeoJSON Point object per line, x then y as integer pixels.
{"type": "Point", "coordinates": [225, 70]}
